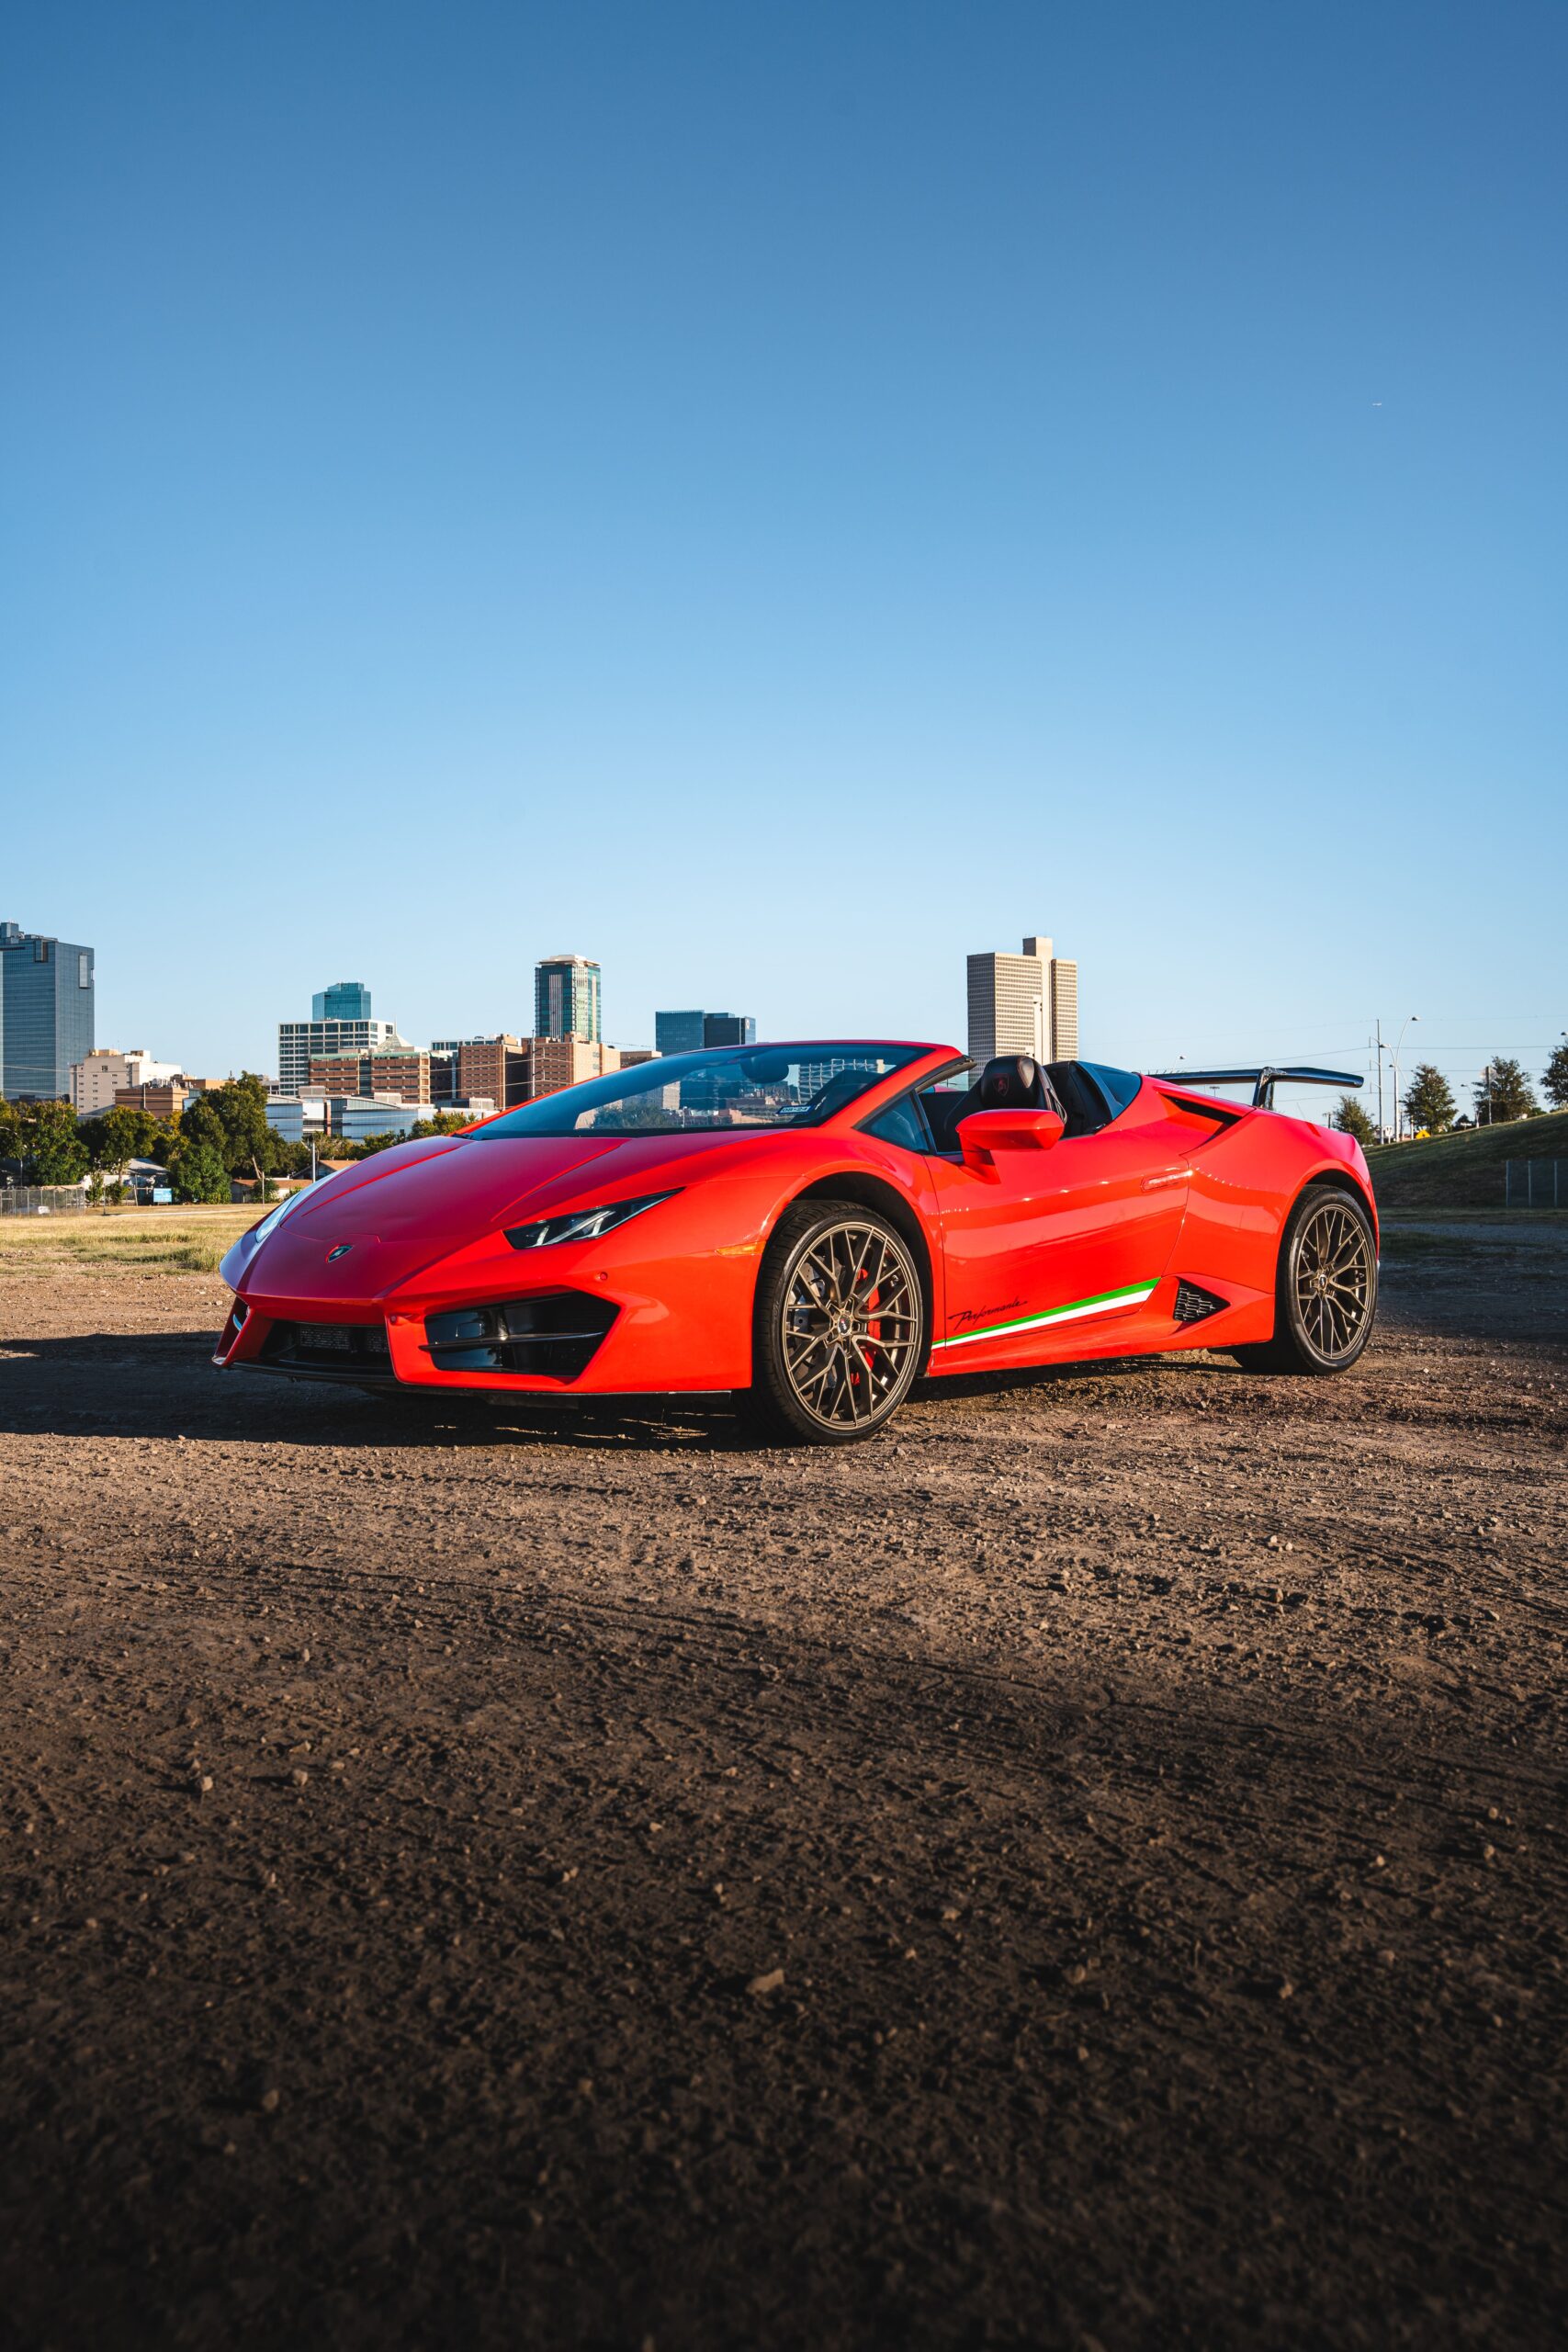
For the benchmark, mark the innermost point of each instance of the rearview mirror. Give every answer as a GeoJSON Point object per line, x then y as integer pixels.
{"type": "Point", "coordinates": [984, 1132]}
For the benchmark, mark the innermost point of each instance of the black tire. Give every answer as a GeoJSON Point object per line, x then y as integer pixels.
{"type": "Point", "coordinates": [1326, 1296]}
{"type": "Point", "coordinates": [839, 1331]}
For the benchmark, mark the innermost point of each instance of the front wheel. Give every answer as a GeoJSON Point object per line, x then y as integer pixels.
{"type": "Point", "coordinates": [840, 1333]}
{"type": "Point", "coordinates": [1326, 1296]}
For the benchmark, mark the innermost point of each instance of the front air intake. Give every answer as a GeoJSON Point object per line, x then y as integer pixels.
{"type": "Point", "coordinates": [554, 1337]}
{"type": "Point", "coordinates": [329, 1350]}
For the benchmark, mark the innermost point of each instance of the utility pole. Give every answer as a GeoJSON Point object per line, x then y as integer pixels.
{"type": "Point", "coordinates": [1380, 1136]}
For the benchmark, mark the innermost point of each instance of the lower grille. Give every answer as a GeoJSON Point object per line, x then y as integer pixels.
{"type": "Point", "coordinates": [1192, 1305]}
{"type": "Point", "coordinates": [346, 1350]}
{"type": "Point", "coordinates": [556, 1337]}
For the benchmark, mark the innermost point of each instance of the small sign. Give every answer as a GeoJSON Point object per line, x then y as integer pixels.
{"type": "Point", "coordinates": [162, 1196]}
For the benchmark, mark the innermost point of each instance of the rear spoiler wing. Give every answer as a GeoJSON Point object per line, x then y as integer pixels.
{"type": "Point", "coordinates": [1262, 1081]}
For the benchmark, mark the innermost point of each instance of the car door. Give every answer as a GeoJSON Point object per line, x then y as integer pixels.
{"type": "Point", "coordinates": [1053, 1253]}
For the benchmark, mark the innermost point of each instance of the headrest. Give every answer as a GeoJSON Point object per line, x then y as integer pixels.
{"type": "Point", "coordinates": [1016, 1082]}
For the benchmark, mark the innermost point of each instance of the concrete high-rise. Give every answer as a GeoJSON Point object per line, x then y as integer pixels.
{"type": "Point", "coordinates": [46, 1012]}
{"type": "Point", "coordinates": [104, 1074]}
{"type": "Point", "coordinates": [1064, 1010]}
{"type": "Point", "coordinates": [299, 1043]}
{"type": "Point", "coordinates": [565, 998]}
{"type": "Point", "coordinates": [1023, 1004]}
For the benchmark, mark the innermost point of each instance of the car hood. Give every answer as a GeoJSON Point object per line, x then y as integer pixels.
{"type": "Point", "coordinates": [409, 1206]}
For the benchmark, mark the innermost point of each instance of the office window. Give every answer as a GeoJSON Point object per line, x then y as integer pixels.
{"type": "Point", "coordinates": [83, 973]}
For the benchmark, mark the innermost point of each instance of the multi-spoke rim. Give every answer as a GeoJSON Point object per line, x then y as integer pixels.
{"type": "Point", "coordinates": [850, 1322]}
{"type": "Point", "coordinates": [1334, 1280]}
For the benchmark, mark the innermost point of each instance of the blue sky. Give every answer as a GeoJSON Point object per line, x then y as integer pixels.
{"type": "Point", "coordinates": [779, 497]}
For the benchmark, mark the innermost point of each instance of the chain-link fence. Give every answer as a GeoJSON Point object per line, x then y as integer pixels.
{"type": "Point", "coordinates": [1535, 1183]}
{"type": "Point", "coordinates": [41, 1200]}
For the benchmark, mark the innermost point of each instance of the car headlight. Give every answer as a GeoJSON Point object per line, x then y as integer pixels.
{"type": "Point", "coordinates": [274, 1218]}
{"type": "Point", "coordinates": [582, 1225]}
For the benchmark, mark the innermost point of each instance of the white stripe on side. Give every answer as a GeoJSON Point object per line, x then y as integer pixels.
{"type": "Point", "coordinates": [1053, 1315]}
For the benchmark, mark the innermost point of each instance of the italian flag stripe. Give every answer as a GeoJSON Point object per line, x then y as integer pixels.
{"type": "Point", "coordinates": [1104, 1302]}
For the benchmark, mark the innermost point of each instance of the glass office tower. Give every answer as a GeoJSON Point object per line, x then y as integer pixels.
{"type": "Point", "coordinates": [344, 1000]}
{"type": "Point", "coordinates": [46, 1012]}
{"type": "Point", "coordinates": [679, 1033]}
{"type": "Point", "coordinates": [565, 998]}
{"type": "Point", "coordinates": [688, 1032]}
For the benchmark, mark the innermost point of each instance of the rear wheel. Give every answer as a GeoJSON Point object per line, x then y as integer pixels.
{"type": "Point", "coordinates": [839, 1331]}
{"type": "Point", "coordinates": [1326, 1295]}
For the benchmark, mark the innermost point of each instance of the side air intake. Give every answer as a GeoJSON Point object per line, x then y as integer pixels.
{"type": "Point", "coordinates": [1192, 1305]}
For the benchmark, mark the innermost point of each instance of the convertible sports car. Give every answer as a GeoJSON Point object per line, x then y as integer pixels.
{"type": "Point", "coordinates": [816, 1226]}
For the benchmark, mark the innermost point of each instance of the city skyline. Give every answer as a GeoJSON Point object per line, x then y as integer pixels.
{"type": "Point", "coordinates": [1461, 1064]}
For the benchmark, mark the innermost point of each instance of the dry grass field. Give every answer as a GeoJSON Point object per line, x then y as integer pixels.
{"type": "Point", "coordinates": [184, 1240]}
{"type": "Point", "coordinates": [1087, 1869]}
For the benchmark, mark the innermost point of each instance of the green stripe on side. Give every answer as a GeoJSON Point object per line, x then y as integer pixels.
{"type": "Point", "coordinates": [1103, 1302]}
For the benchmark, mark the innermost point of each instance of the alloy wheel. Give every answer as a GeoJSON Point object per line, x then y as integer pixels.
{"type": "Point", "coordinates": [1335, 1281]}
{"type": "Point", "coordinates": [851, 1321]}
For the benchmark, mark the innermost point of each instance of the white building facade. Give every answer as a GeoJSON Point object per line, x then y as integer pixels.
{"type": "Point", "coordinates": [301, 1042]}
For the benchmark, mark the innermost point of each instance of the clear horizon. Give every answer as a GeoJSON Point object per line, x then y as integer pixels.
{"type": "Point", "coordinates": [784, 503]}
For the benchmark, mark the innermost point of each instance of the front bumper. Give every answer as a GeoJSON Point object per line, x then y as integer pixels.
{"type": "Point", "coordinates": [545, 1340]}
{"type": "Point", "coordinates": [593, 1319]}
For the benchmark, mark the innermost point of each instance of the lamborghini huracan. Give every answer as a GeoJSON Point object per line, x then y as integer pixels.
{"type": "Point", "coordinates": [815, 1226]}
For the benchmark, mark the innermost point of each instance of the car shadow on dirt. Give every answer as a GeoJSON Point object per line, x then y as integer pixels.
{"type": "Point", "coordinates": [164, 1385]}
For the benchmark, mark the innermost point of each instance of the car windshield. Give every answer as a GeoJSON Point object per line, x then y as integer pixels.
{"type": "Point", "coordinates": [733, 1087]}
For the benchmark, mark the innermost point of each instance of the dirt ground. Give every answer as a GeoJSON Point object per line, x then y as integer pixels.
{"type": "Point", "coordinates": [1087, 1869]}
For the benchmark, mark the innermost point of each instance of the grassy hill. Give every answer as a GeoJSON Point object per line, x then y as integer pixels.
{"type": "Point", "coordinates": [1465, 1170]}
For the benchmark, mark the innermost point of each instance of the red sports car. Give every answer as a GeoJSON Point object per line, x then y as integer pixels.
{"type": "Point", "coordinates": [816, 1225]}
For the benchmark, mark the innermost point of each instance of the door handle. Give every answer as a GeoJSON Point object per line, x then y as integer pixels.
{"type": "Point", "coordinates": [1169, 1176]}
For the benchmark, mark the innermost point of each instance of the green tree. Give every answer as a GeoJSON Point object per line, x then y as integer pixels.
{"type": "Point", "coordinates": [135, 1135]}
{"type": "Point", "coordinates": [11, 1143]}
{"type": "Point", "coordinates": [1556, 1082]}
{"type": "Point", "coordinates": [55, 1152]}
{"type": "Point", "coordinates": [197, 1171]}
{"type": "Point", "coordinates": [1502, 1092]}
{"type": "Point", "coordinates": [1351, 1120]}
{"type": "Point", "coordinates": [232, 1119]}
{"type": "Point", "coordinates": [117, 1138]}
{"type": "Point", "coordinates": [1430, 1101]}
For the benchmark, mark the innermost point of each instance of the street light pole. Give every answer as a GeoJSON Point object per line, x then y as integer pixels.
{"type": "Point", "coordinates": [1399, 1041]}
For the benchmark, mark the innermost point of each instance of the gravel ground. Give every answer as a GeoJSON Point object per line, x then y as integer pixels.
{"type": "Point", "coordinates": [1087, 1870]}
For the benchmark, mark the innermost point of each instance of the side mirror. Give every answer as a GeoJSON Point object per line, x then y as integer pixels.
{"type": "Point", "coordinates": [984, 1132]}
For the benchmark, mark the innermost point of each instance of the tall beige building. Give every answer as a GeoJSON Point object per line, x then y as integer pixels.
{"type": "Point", "coordinates": [104, 1073]}
{"type": "Point", "coordinates": [1023, 1004]}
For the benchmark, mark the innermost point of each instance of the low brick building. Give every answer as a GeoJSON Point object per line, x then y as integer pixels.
{"type": "Point", "coordinates": [401, 1072]}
